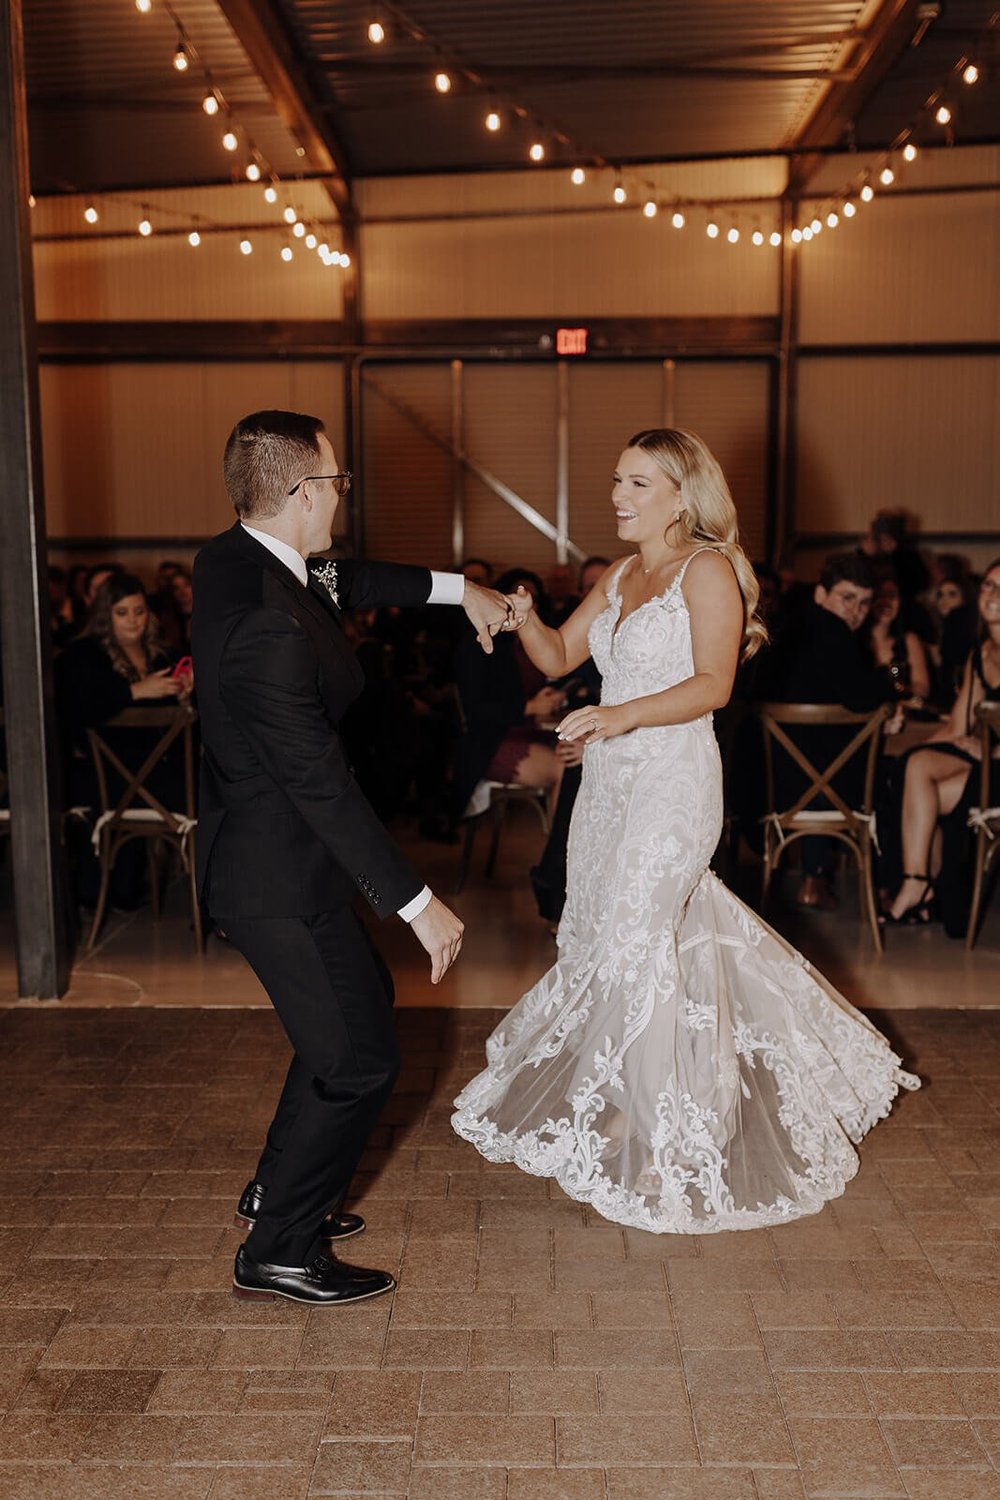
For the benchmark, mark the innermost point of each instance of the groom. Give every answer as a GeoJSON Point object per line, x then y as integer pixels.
{"type": "Point", "coordinates": [286, 838]}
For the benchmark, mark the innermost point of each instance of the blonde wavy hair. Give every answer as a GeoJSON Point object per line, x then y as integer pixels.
{"type": "Point", "coordinates": [709, 515]}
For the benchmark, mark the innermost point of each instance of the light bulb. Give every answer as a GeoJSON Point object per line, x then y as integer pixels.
{"type": "Point", "coordinates": [323, 250]}
{"type": "Point", "coordinates": [210, 104]}
{"type": "Point", "coordinates": [849, 210]}
{"type": "Point", "coordinates": [194, 238]}
{"type": "Point", "coordinates": [816, 226]}
{"type": "Point", "coordinates": [649, 209]}
{"type": "Point", "coordinates": [867, 193]}
{"type": "Point", "coordinates": [887, 177]}
{"type": "Point", "coordinates": [144, 6]}
{"type": "Point", "coordinates": [376, 33]}
{"type": "Point", "coordinates": [181, 60]}
{"type": "Point", "coordinates": [620, 194]}
{"type": "Point", "coordinates": [677, 219]}
{"type": "Point", "coordinates": [757, 237]}
{"type": "Point", "coordinates": [442, 83]}
{"type": "Point", "coordinates": [970, 73]}
{"type": "Point", "coordinates": [229, 140]}
{"type": "Point", "coordinates": [270, 193]}
{"type": "Point", "coordinates": [796, 236]}
{"type": "Point", "coordinates": [943, 115]}
{"type": "Point", "coordinates": [832, 219]}
{"type": "Point", "coordinates": [298, 229]}
{"type": "Point", "coordinates": [90, 214]}
{"type": "Point", "coordinates": [145, 227]}
{"type": "Point", "coordinates": [345, 260]}
{"type": "Point", "coordinates": [492, 121]}
{"type": "Point", "coordinates": [286, 252]}
{"type": "Point", "coordinates": [289, 215]}
{"type": "Point", "coordinates": [807, 233]}
{"type": "Point", "coordinates": [310, 242]}
{"type": "Point", "coordinates": [253, 172]}
{"type": "Point", "coordinates": [578, 176]}
{"type": "Point", "coordinates": [32, 200]}
{"type": "Point", "coordinates": [245, 247]}
{"type": "Point", "coordinates": [537, 151]}
{"type": "Point", "coordinates": [712, 229]}
{"type": "Point", "coordinates": [909, 152]}
{"type": "Point", "coordinates": [732, 235]}
{"type": "Point", "coordinates": [775, 237]}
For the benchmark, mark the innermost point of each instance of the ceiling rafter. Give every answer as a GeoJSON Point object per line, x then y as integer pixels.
{"type": "Point", "coordinates": [876, 50]}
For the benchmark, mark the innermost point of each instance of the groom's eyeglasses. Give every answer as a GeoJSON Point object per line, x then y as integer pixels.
{"type": "Point", "coordinates": [341, 482]}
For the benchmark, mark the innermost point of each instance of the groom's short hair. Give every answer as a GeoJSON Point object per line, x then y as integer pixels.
{"type": "Point", "coordinates": [267, 453]}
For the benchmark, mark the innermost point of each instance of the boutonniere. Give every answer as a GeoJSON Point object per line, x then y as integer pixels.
{"type": "Point", "coordinates": [326, 574]}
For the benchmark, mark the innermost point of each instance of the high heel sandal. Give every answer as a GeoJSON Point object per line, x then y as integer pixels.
{"type": "Point", "coordinates": [918, 915]}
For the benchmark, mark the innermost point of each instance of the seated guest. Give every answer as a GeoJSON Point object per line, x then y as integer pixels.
{"type": "Point", "coordinates": [560, 586]}
{"type": "Point", "coordinates": [61, 622]}
{"type": "Point", "coordinates": [478, 570]}
{"type": "Point", "coordinates": [164, 605]}
{"type": "Point", "coordinates": [954, 600]}
{"type": "Point", "coordinates": [118, 662]}
{"type": "Point", "coordinates": [504, 702]}
{"type": "Point", "coordinates": [183, 597]}
{"type": "Point", "coordinates": [938, 771]}
{"type": "Point", "coordinates": [820, 661]}
{"type": "Point", "coordinates": [896, 648]}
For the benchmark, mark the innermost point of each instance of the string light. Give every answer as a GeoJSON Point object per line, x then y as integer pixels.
{"type": "Point", "coordinates": [619, 194]}
{"type": "Point", "coordinates": [310, 242]}
{"type": "Point", "coordinates": [970, 74]}
{"type": "Point", "coordinates": [145, 227]}
{"type": "Point", "coordinates": [253, 172]}
{"type": "Point", "coordinates": [537, 151]}
{"type": "Point", "coordinates": [90, 214]}
{"type": "Point", "coordinates": [775, 237]}
{"type": "Point", "coordinates": [376, 35]}
{"type": "Point", "coordinates": [270, 193]}
{"type": "Point", "coordinates": [712, 229]}
{"type": "Point", "coordinates": [286, 251]}
{"type": "Point", "coordinates": [492, 121]}
{"type": "Point", "coordinates": [677, 219]}
{"type": "Point", "coordinates": [32, 200]}
{"type": "Point", "coordinates": [442, 82]}
{"type": "Point", "coordinates": [816, 225]}
{"type": "Point", "coordinates": [867, 193]}
{"type": "Point", "coordinates": [289, 215]}
{"type": "Point", "coordinates": [323, 250]}
{"type": "Point", "coordinates": [943, 114]}
{"type": "Point", "coordinates": [849, 210]}
{"type": "Point", "coordinates": [757, 237]}
{"type": "Point", "coordinates": [181, 60]}
{"type": "Point", "coordinates": [807, 233]}
{"type": "Point", "coordinates": [246, 248]}
{"type": "Point", "coordinates": [210, 103]}
{"type": "Point", "coordinates": [230, 140]}
{"type": "Point", "coordinates": [797, 236]}
{"type": "Point", "coordinates": [832, 219]}
{"type": "Point", "coordinates": [194, 238]}
{"type": "Point", "coordinates": [887, 177]}
{"type": "Point", "coordinates": [578, 177]}
{"type": "Point", "coordinates": [343, 259]}
{"type": "Point", "coordinates": [649, 208]}
{"type": "Point", "coordinates": [298, 229]}
{"type": "Point", "coordinates": [144, 6]}
{"type": "Point", "coordinates": [733, 235]}
{"type": "Point", "coordinates": [909, 152]}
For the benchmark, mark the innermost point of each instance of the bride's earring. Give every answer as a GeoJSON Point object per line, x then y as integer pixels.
{"type": "Point", "coordinates": [675, 522]}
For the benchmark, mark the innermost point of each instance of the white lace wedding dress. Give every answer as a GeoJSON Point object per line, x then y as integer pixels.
{"type": "Point", "coordinates": [680, 1068]}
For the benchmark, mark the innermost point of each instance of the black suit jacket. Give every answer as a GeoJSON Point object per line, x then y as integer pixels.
{"type": "Point", "coordinates": [283, 828]}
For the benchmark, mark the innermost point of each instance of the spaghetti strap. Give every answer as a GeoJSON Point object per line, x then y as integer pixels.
{"type": "Point", "coordinates": [679, 578]}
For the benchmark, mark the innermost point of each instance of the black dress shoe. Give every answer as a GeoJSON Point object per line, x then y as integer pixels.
{"type": "Point", "coordinates": [335, 1226]}
{"type": "Point", "coordinates": [325, 1282]}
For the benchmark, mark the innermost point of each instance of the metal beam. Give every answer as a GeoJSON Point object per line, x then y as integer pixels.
{"type": "Point", "coordinates": [36, 847]}
{"type": "Point", "coordinates": [879, 47]}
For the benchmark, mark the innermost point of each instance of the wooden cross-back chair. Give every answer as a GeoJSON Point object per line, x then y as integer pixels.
{"type": "Point", "coordinates": [137, 813]}
{"type": "Point", "coordinates": [854, 827]}
{"type": "Point", "coordinates": [501, 796]}
{"type": "Point", "coordinates": [983, 818]}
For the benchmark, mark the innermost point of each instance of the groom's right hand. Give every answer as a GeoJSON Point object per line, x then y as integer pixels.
{"type": "Point", "coordinates": [440, 932]}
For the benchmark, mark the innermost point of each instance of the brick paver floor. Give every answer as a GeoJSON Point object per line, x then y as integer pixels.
{"type": "Point", "coordinates": [531, 1352]}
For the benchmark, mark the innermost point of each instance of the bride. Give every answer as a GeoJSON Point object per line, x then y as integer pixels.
{"type": "Point", "coordinates": [680, 1067]}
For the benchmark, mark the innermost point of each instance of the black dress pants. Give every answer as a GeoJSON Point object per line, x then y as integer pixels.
{"type": "Point", "coordinates": [333, 995]}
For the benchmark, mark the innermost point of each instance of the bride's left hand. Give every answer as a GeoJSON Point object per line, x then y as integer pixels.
{"type": "Point", "coordinates": [593, 724]}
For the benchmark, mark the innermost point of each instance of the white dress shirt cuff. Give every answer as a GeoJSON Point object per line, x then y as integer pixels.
{"type": "Point", "coordinates": [447, 588]}
{"type": "Point", "coordinates": [413, 908]}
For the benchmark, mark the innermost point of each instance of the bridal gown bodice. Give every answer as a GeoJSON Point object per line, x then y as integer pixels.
{"type": "Point", "coordinates": [680, 1067]}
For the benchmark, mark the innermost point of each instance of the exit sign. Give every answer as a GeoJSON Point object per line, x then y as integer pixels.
{"type": "Point", "coordinates": [571, 340]}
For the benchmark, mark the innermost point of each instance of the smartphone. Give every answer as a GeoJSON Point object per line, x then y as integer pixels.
{"type": "Point", "coordinates": [183, 667]}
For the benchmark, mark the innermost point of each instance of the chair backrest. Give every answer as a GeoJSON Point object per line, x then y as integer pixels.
{"type": "Point", "coordinates": [774, 718]}
{"type": "Point", "coordinates": [988, 726]}
{"type": "Point", "coordinates": [176, 722]}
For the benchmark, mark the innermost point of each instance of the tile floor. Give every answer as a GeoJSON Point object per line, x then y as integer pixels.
{"type": "Point", "coordinates": [531, 1352]}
